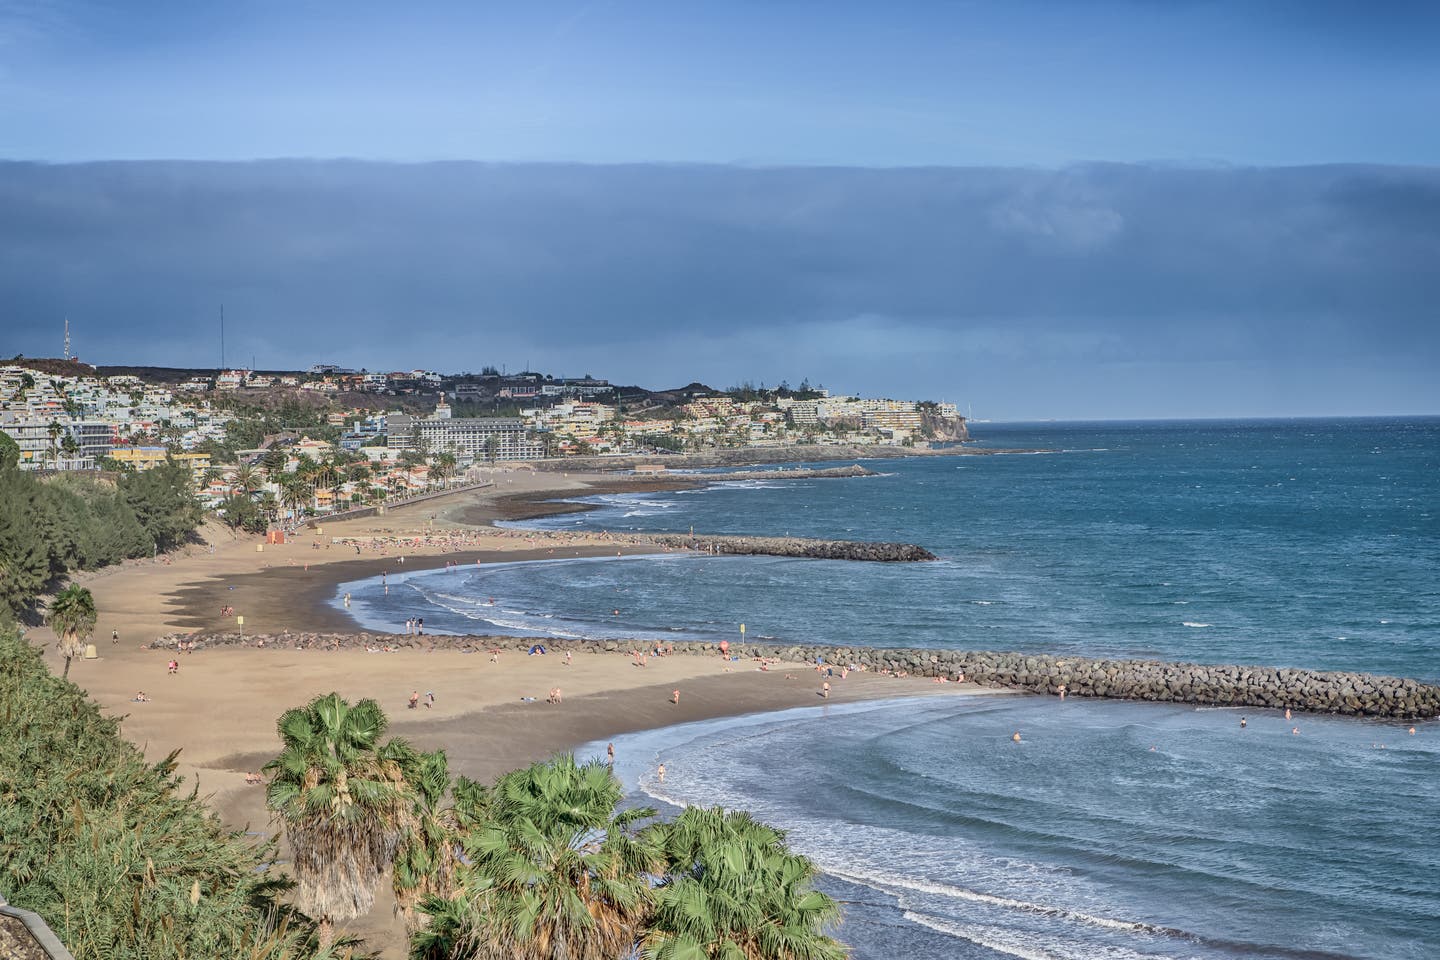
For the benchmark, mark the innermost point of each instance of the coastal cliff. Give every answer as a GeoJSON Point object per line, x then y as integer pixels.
{"type": "Point", "coordinates": [1276, 688]}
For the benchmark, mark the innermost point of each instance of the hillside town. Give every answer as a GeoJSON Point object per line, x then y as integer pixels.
{"type": "Point", "coordinates": [274, 445]}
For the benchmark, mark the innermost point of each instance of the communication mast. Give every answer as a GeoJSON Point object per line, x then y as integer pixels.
{"type": "Point", "coordinates": [67, 338]}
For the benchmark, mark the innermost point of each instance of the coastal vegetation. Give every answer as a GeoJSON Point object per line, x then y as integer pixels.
{"type": "Point", "coordinates": [54, 526]}
{"type": "Point", "coordinates": [72, 616]}
{"type": "Point", "coordinates": [544, 863]}
{"type": "Point", "coordinates": [119, 860]}
{"type": "Point", "coordinates": [342, 797]}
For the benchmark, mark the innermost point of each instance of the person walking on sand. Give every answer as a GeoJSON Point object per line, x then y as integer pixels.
{"type": "Point", "coordinates": [825, 690]}
{"type": "Point", "coordinates": [114, 636]}
{"type": "Point", "coordinates": [675, 696]}
{"type": "Point", "coordinates": [414, 699]}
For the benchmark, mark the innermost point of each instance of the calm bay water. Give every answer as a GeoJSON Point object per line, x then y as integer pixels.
{"type": "Point", "coordinates": [1305, 543]}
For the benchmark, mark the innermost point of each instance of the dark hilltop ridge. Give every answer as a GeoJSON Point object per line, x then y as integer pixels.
{"type": "Point", "coordinates": [1277, 688]}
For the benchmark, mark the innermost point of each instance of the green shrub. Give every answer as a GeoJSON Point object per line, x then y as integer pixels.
{"type": "Point", "coordinates": [119, 861]}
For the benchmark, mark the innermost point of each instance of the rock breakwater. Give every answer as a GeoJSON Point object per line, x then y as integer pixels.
{"type": "Point", "coordinates": [792, 473]}
{"type": "Point", "coordinates": [1313, 691]}
{"type": "Point", "coordinates": [794, 547]}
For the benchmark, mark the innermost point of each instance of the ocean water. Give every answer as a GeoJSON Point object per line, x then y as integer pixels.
{"type": "Point", "coordinates": [1304, 543]}
{"type": "Point", "coordinates": [1112, 830]}
{"type": "Point", "coordinates": [1296, 543]}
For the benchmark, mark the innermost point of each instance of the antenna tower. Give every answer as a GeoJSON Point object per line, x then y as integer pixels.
{"type": "Point", "coordinates": [222, 338]}
{"type": "Point", "coordinates": [67, 338]}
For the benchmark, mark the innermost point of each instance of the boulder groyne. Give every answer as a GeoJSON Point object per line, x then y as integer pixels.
{"type": "Point", "coordinates": [788, 473]}
{"type": "Point", "coordinates": [792, 547]}
{"type": "Point", "coordinates": [1313, 691]}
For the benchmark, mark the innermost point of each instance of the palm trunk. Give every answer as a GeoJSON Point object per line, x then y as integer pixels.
{"type": "Point", "coordinates": [65, 674]}
{"type": "Point", "coordinates": [326, 932]}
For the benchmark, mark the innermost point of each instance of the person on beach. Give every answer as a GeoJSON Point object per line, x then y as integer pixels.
{"type": "Point", "coordinates": [1243, 723]}
{"type": "Point", "coordinates": [675, 696]}
{"type": "Point", "coordinates": [414, 699]}
{"type": "Point", "coordinates": [429, 699]}
{"type": "Point", "coordinates": [825, 689]}
{"type": "Point", "coordinates": [173, 666]}
{"type": "Point", "coordinates": [140, 697]}
{"type": "Point", "coordinates": [660, 773]}
{"type": "Point", "coordinates": [1061, 691]}
{"type": "Point", "coordinates": [1287, 713]}
{"type": "Point", "coordinates": [610, 753]}
{"type": "Point", "coordinates": [114, 636]}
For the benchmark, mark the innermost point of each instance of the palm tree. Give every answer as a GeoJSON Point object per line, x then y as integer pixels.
{"type": "Point", "coordinates": [72, 615]}
{"type": "Point", "coordinates": [343, 802]}
{"type": "Point", "coordinates": [428, 857]}
{"type": "Point", "coordinates": [55, 430]}
{"type": "Point", "coordinates": [735, 891]}
{"type": "Point", "coordinates": [294, 493]}
{"type": "Point", "coordinates": [553, 871]}
{"type": "Point", "coordinates": [246, 479]}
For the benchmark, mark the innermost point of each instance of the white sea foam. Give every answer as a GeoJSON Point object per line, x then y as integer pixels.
{"type": "Point", "coordinates": [1192, 623]}
{"type": "Point", "coordinates": [1025, 944]}
{"type": "Point", "coordinates": [892, 882]}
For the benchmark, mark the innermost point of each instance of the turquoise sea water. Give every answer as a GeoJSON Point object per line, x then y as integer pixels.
{"type": "Point", "coordinates": [1305, 543]}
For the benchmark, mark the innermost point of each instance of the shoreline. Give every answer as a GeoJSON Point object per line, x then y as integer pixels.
{"type": "Point", "coordinates": [220, 709]}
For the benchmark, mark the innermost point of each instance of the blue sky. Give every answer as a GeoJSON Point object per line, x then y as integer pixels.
{"type": "Point", "coordinates": [1137, 209]}
{"type": "Point", "coordinates": [790, 82]}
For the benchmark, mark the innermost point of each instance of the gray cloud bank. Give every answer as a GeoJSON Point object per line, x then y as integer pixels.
{"type": "Point", "coordinates": [891, 276]}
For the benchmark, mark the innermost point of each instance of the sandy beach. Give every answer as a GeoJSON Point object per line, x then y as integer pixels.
{"type": "Point", "coordinates": [220, 708]}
